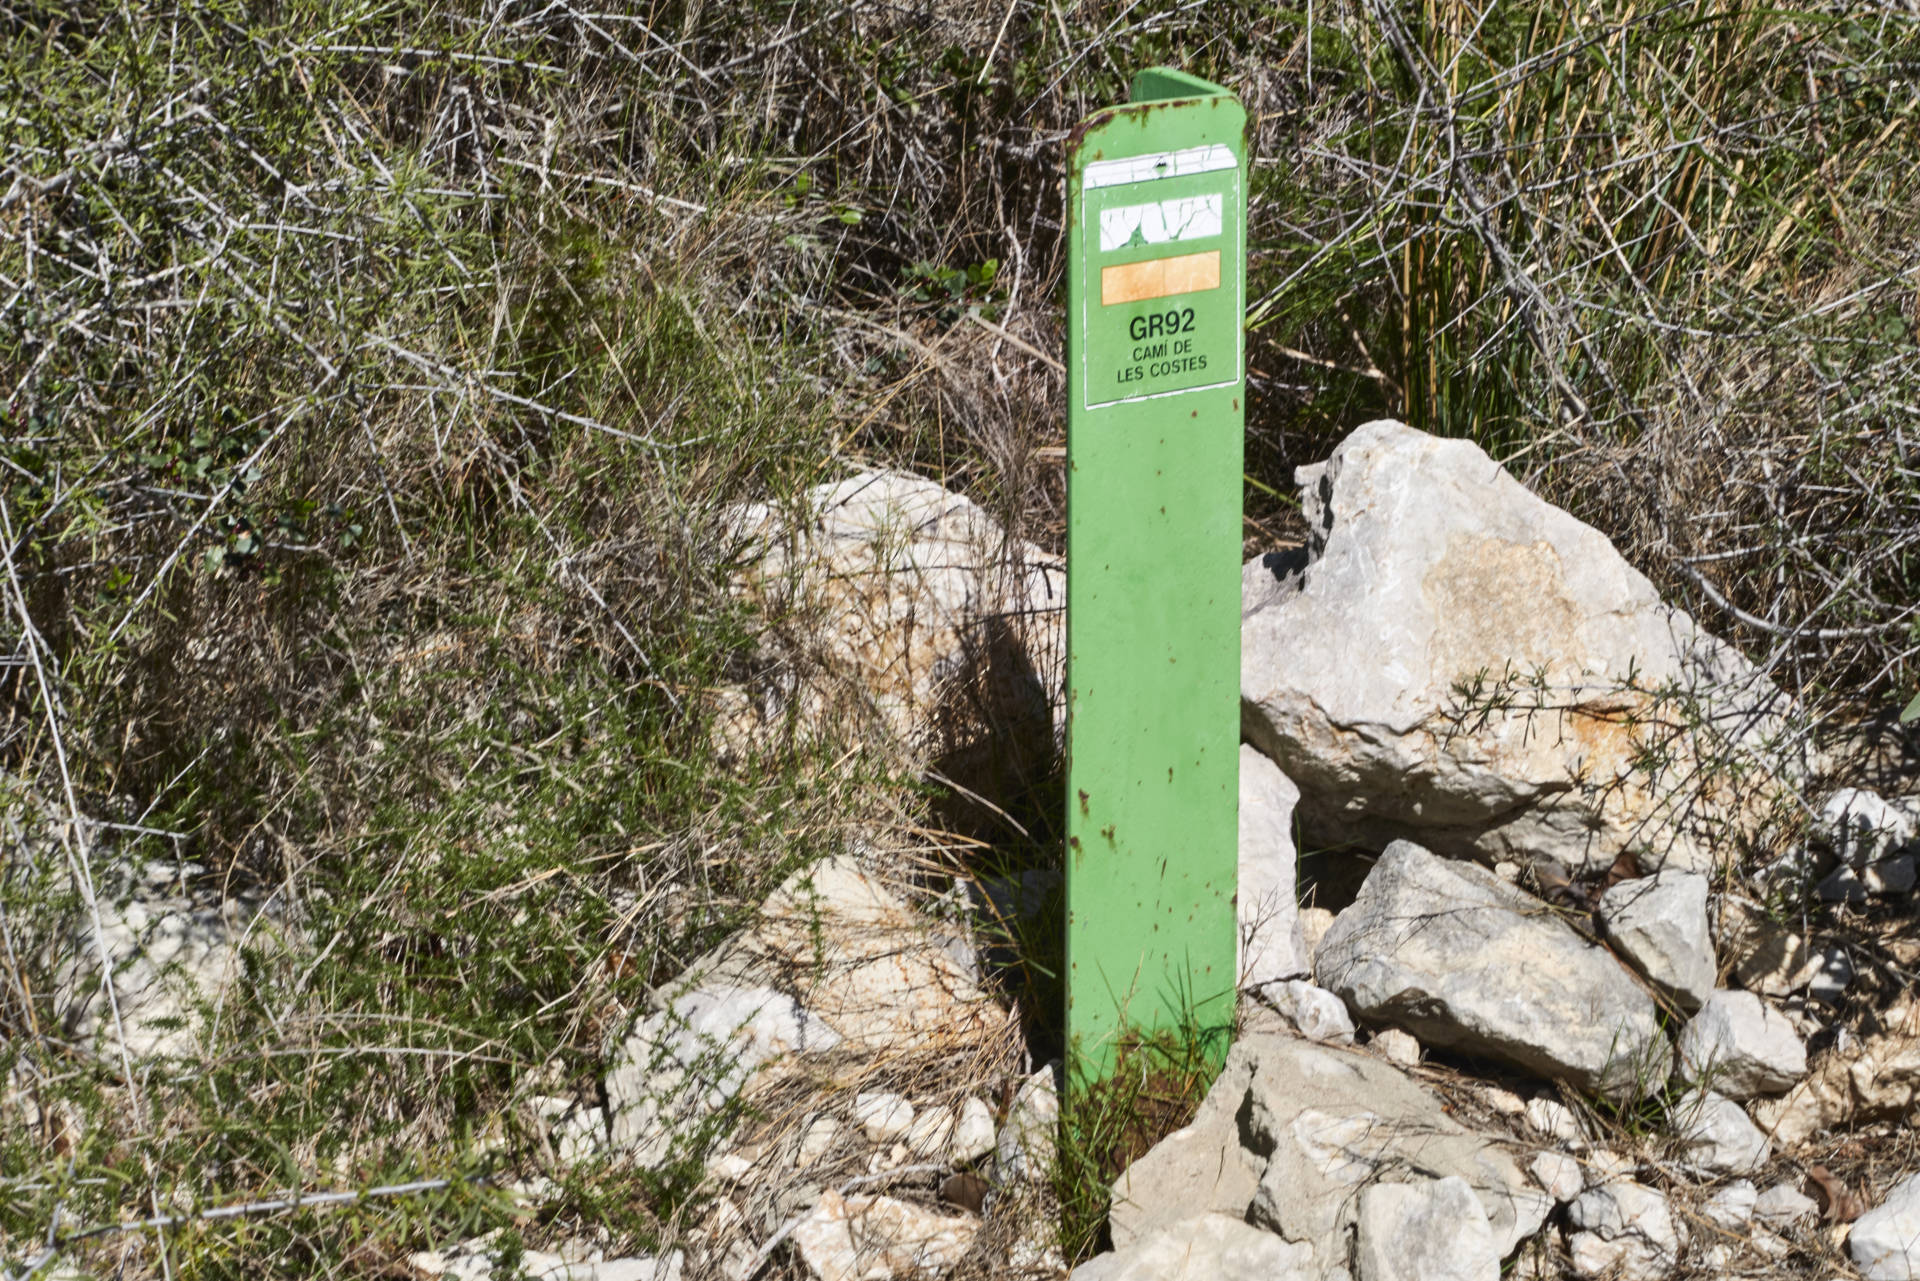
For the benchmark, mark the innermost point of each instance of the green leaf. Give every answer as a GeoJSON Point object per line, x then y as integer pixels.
{"type": "Point", "coordinates": [1913, 711]}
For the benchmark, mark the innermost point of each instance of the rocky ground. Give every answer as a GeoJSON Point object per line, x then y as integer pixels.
{"type": "Point", "coordinates": [1569, 950]}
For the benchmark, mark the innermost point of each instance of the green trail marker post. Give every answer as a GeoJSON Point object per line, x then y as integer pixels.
{"type": "Point", "coordinates": [1156, 301]}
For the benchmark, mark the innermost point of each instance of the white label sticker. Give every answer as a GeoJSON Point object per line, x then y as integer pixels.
{"type": "Point", "coordinates": [1158, 164]}
{"type": "Point", "coordinates": [1163, 222]}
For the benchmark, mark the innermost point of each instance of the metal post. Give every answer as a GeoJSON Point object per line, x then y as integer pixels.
{"type": "Point", "coordinates": [1156, 210]}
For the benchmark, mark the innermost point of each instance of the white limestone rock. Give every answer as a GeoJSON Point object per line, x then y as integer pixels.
{"type": "Point", "coordinates": [931, 1132]}
{"type": "Point", "coordinates": [1885, 1243]}
{"type": "Point", "coordinates": [858, 958]}
{"type": "Point", "coordinates": [1715, 1135]}
{"type": "Point", "coordinates": [1784, 1206]}
{"type": "Point", "coordinates": [1554, 1119]}
{"type": "Point", "coordinates": [690, 1059]}
{"type": "Point", "coordinates": [1624, 1230]}
{"type": "Point", "coordinates": [1203, 1166]}
{"type": "Point", "coordinates": [1292, 1130]}
{"type": "Point", "coordinates": [865, 1238]}
{"type": "Point", "coordinates": [580, 1135]}
{"type": "Point", "coordinates": [1456, 956]}
{"type": "Point", "coordinates": [1772, 960]}
{"type": "Point", "coordinates": [930, 624]}
{"type": "Point", "coordinates": [645, 1268]}
{"type": "Point", "coordinates": [1731, 1207]}
{"type": "Point", "coordinates": [1208, 1247]}
{"type": "Point", "coordinates": [1396, 1046]}
{"type": "Point", "coordinates": [1271, 946]}
{"type": "Point", "coordinates": [1857, 1081]}
{"type": "Point", "coordinates": [1659, 924]}
{"type": "Point", "coordinates": [1315, 1013]}
{"type": "Point", "coordinates": [1604, 1165]}
{"type": "Point", "coordinates": [816, 1141]}
{"type": "Point", "coordinates": [1314, 924]}
{"type": "Point", "coordinates": [1506, 705]}
{"type": "Point", "coordinates": [1332, 1120]}
{"type": "Point", "coordinates": [974, 1133]}
{"type": "Point", "coordinates": [1739, 1046]}
{"type": "Point", "coordinates": [172, 960]}
{"type": "Point", "coordinates": [1026, 1145]}
{"type": "Point", "coordinates": [731, 1167]}
{"type": "Point", "coordinates": [1559, 1174]}
{"type": "Point", "coordinates": [883, 1116]}
{"type": "Point", "coordinates": [1848, 884]}
{"type": "Point", "coordinates": [1862, 827]}
{"type": "Point", "coordinates": [479, 1260]}
{"type": "Point", "coordinates": [1426, 1230]}
{"type": "Point", "coordinates": [833, 961]}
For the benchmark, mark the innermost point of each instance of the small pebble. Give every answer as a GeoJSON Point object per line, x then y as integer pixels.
{"type": "Point", "coordinates": [1732, 1206]}
{"type": "Point", "coordinates": [1559, 1174]}
{"type": "Point", "coordinates": [1604, 1164]}
{"type": "Point", "coordinates": [732, 1167]}
{"type": "Point", "coordinates": [1398, 1046]}
{"type": "Point", "coordinates": [928, 1134]}
{"type": "Point", "coordinates": [973, 1137]}
{"type": "Point", "coordinates": [1553, 1119]}
{"type": "Point", "coordinates": [817, 1141]}
{"type": "Point", "coordinates": [885, 1117]}
{"type": "Point", "coordinates": [1783, 1205]}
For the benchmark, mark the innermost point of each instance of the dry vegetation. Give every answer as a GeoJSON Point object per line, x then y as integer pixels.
{"type": "Point", "coordinates": [373, 376]}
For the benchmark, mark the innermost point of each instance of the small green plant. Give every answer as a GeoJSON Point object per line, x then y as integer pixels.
{"type": "Point", "coordinates": [952, 289]}
{"type": "Point", "coordinates": [1156, 1084]}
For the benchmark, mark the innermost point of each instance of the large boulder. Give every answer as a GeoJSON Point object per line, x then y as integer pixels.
{"type": "Point", "coordinates": [834, 962]}
{"type": "Point", "coordinates": [1291, 1134]}
{"type": "Point", "coordinates": [1461, 959]}
{"type": "Point", "coordinates": [902, 609]}
{"type": "Point", "coordinates": [1205, 1166]}
{"type": "Point", "coordinates": [1455, 661]}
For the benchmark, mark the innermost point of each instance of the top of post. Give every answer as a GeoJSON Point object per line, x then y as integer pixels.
{"type": "Point", "coordinates": [1158, 84]}
{"type": "Point", "coordinates": [1145, 122]}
